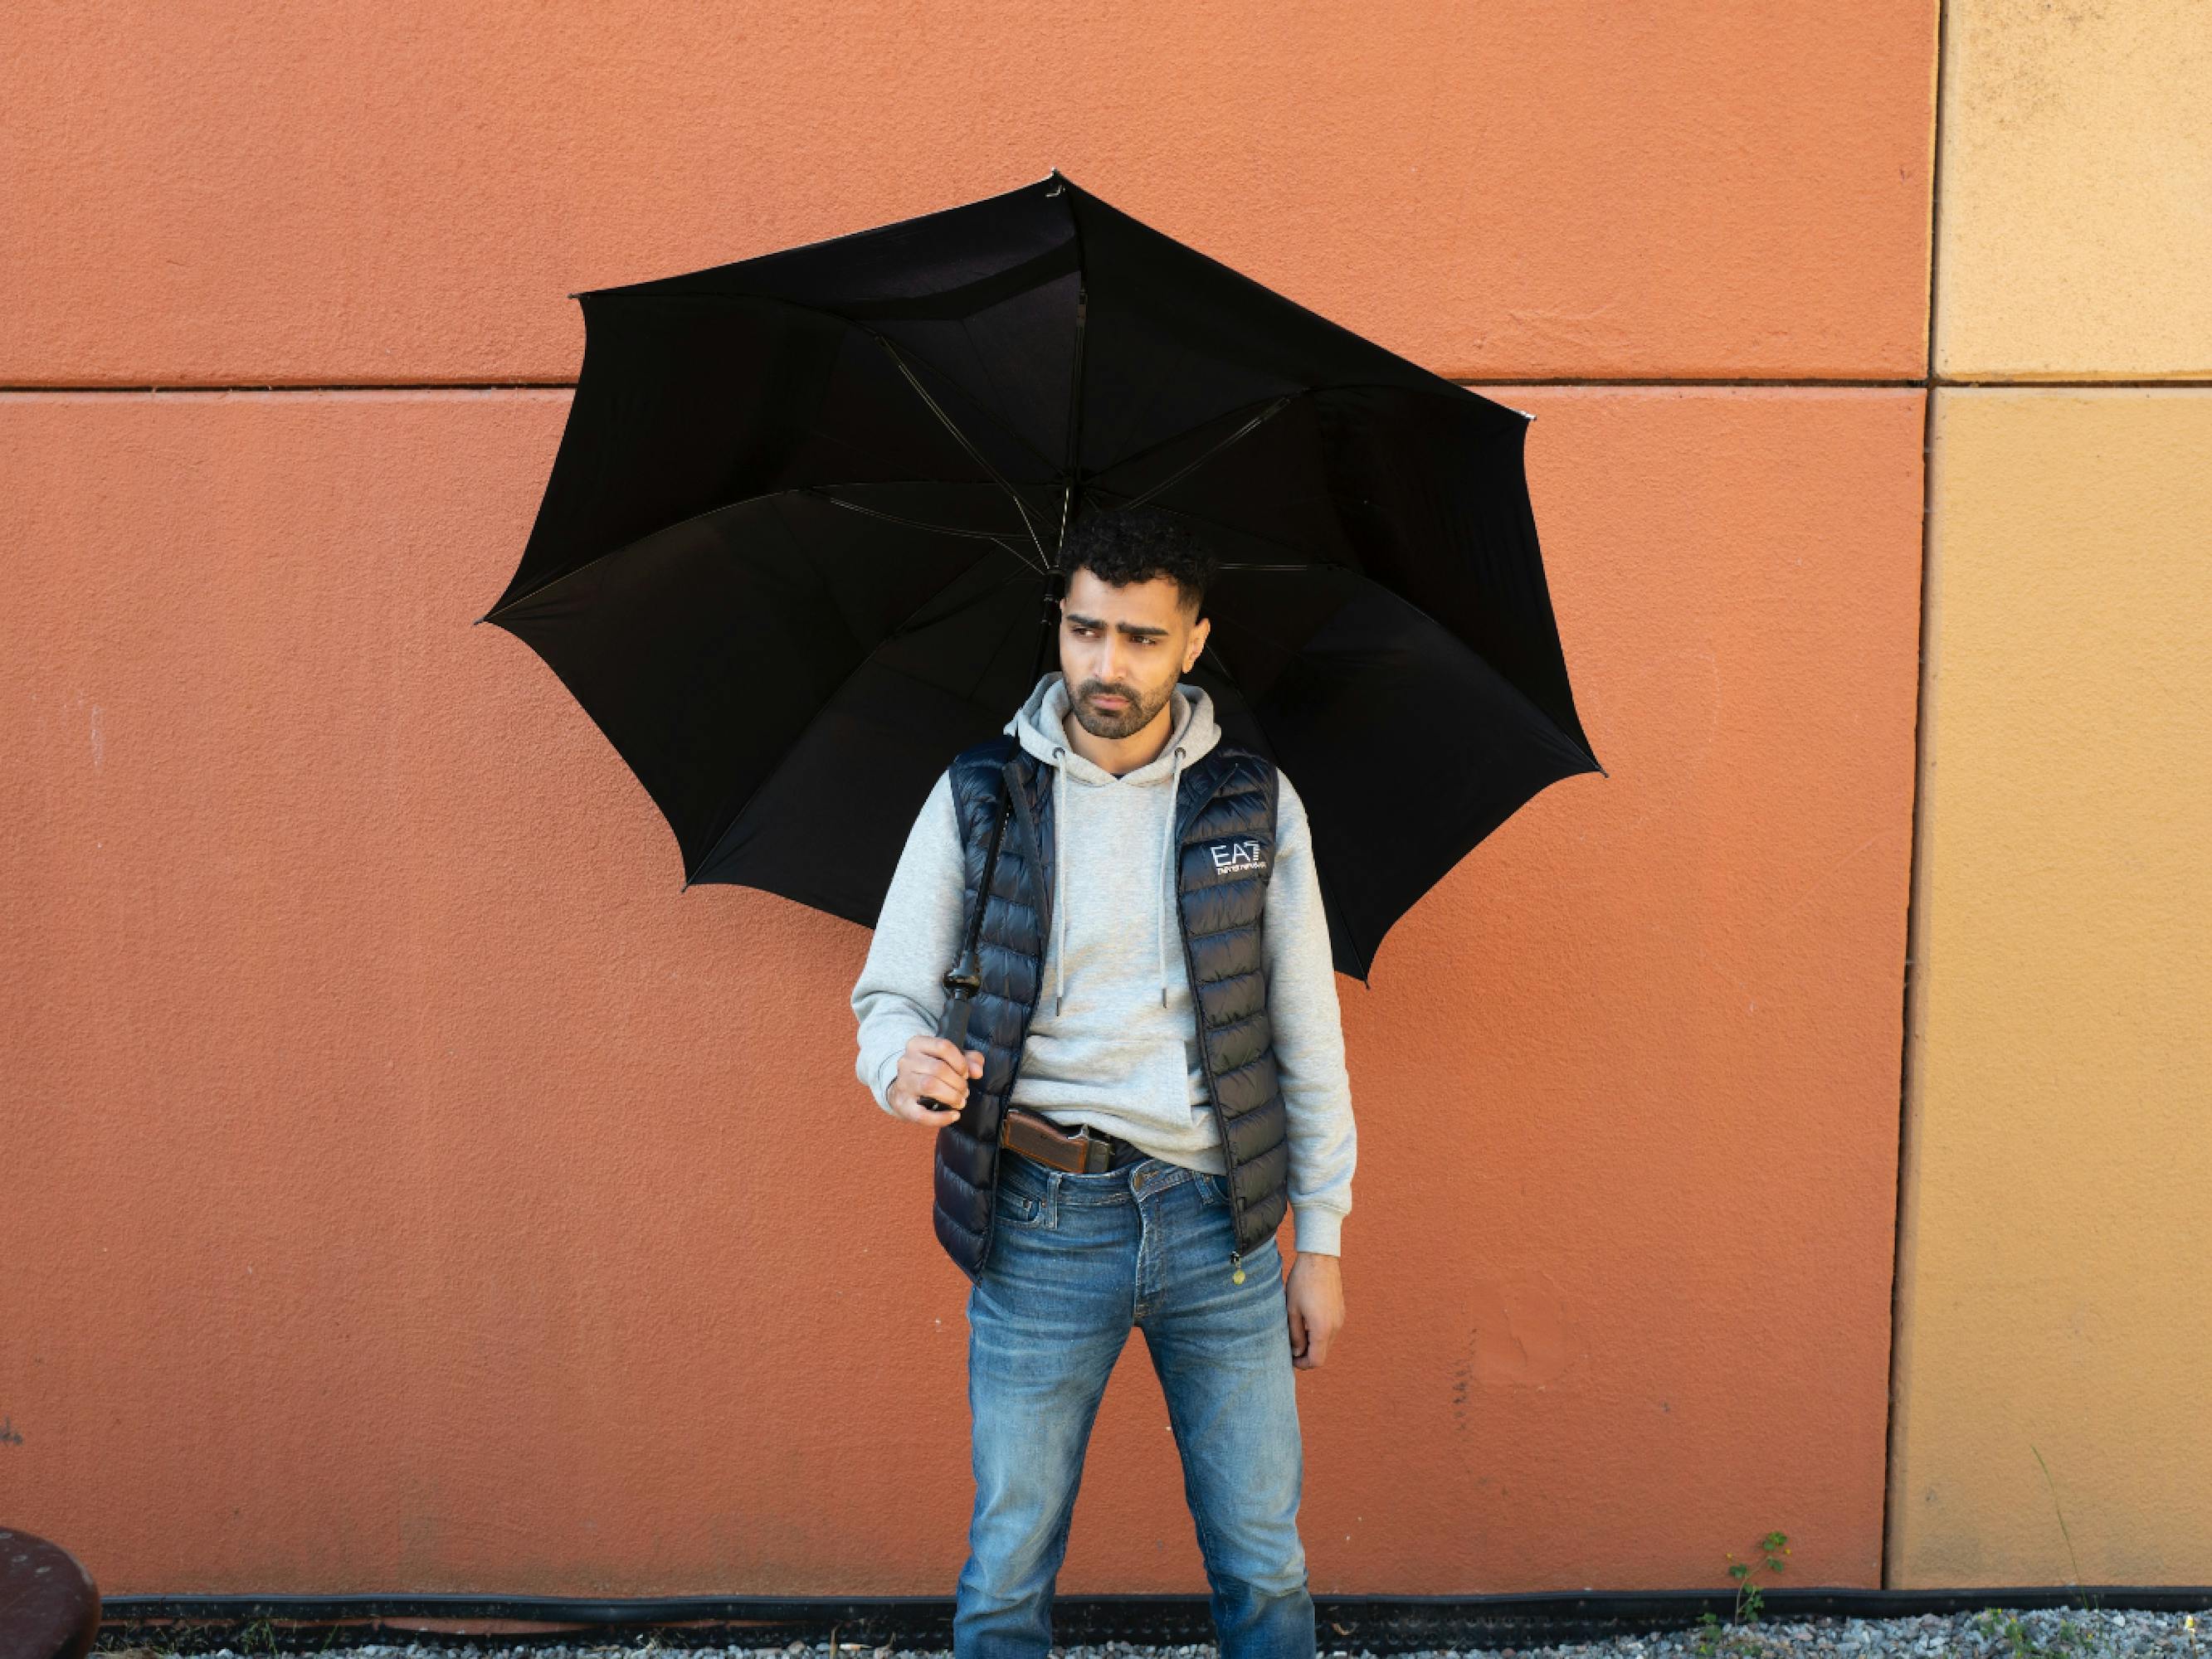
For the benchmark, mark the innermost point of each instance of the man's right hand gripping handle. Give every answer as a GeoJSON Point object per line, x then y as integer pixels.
{"type": "Point", "coordinates": [932, 1072]}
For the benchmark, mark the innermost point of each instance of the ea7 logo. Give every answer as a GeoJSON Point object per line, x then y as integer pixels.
{"type": "Point", "coordinates": [1237, 857]}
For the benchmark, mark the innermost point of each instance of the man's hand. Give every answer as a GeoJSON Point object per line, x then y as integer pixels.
{"type": "Point", "coordinates": [932, 1066]}
{"type": "Point", "coordinates": [1317, 1298]}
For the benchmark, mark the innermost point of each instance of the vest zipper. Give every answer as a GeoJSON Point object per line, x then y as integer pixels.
{"type": "Point", "coordinates": [1205, 1050]}
{"type": "Point", "coordinates": [1021, 807]}
{"type": "Point", "coordinates": [1212, 1088]}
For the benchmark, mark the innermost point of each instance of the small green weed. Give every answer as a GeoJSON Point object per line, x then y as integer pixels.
{"type": "Point", "coordinates": [2007, 1626]}
{"type": "Point", "coordinates": [1748, 1600]}
{"type": "Point", "coordinates": [2072, 1639]}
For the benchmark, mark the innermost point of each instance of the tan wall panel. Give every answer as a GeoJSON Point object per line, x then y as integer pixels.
{"type": "Point", "coordinates": [2077, 191]}
{"type": "Point", "coordinates": [2057, 1277]}
{"type": "Point", "coordinates": [382, 191]}
{"type": "Point", "coordinates": [407, 1186]}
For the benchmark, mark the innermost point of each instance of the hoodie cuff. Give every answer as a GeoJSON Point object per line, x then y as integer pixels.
{"type": "Point", "coordinates": [1317, 1231]}
{"type": "Point", "coordinates": [885, 1074]}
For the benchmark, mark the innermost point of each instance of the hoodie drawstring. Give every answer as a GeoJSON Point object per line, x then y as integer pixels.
{"type": "Point", "coordinates": [1059, 870]}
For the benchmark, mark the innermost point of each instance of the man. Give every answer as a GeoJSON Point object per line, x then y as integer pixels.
{"type": "Point", "coordinates": [1128, 1208]}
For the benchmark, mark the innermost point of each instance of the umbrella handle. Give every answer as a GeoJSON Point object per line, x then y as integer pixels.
{"type": "Point", "coordinates": [953, 1027]}
{"type": "Point", "coordinates": [965, 977]}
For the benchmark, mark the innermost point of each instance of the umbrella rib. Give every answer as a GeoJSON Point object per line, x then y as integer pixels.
{"type": "Point", "coordinates": [835, 315]}
{"type": "Point", "coordinates": [966, 443]}
{"type": "Point", "coordinates": [555, 580]}
{"type": "Point", "coordinates": [1196, 462]}
{"type": "Point", "coordinates": [1417, 610]}
{"type": "Point", "coordinates": [1176, 436]}
{"type": "Point", "coordinates": [983, 661]}
{"type": "Point", "coordinates": [1251, 535]}
{"type": "Point", "coordinates": [990, 381]}
{"type": "Point", "coordinates": [1075, 379]}
{"type": "Point", "coordinates": [941, 529]}
{"type": "Point", "coordinates": [813, 720]}
{"type": "Point", "coordinates": [1074, 415]}
{"type": "Point", "coordinates": [1135, 455]}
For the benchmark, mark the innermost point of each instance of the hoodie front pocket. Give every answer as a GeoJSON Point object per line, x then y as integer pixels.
{"type": "Point", "coordinates": [1078, 1067]}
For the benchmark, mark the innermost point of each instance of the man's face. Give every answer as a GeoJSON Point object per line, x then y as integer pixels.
{"type": "Point", "coordinates": [1127, 643]}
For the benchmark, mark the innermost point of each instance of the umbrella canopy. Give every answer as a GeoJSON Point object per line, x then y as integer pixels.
{"type": "Point", "coordinates": [799, 546]}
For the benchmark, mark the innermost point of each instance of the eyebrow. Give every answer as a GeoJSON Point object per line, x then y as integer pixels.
{"type": "Point", "coordinates": [1130, 629]}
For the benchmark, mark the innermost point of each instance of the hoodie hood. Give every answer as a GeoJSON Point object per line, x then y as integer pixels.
{"type": "Point", "coordinates": [1040, 727]}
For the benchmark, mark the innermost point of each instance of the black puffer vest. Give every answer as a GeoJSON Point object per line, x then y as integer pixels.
{"type": "Point", "coordinates": [1226, 850]}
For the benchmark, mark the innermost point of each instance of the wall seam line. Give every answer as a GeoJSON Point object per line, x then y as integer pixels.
{"type": "Point", "coordinates": [1910, 981]}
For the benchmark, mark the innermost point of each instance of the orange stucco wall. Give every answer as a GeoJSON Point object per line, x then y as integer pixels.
{"type": "Point", "coordinates": [2053, 1416]}
{"type": "Point", "coordinates": [398, 1181]}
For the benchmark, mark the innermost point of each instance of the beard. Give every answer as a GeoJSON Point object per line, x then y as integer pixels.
{"type": "Point", "coordinates": [1131, 717]}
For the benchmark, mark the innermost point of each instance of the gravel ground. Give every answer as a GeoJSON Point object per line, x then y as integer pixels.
{"type": "Point", "coordinates": [2001, 1633]}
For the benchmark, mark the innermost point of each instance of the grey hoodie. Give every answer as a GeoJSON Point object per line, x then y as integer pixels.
{"type": "Point", "coordinates": [1113, 1041]}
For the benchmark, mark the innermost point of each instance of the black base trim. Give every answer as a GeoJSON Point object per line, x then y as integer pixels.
{"type": "Point", "coordinates": [1349, 1624]}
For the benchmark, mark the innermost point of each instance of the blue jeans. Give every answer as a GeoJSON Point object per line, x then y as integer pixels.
{"type": "Point", "coordinates": [1076, 1261]}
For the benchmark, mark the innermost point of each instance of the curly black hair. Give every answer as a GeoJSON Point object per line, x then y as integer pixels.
{"type": "Point", "coordinates": [1137, 543]}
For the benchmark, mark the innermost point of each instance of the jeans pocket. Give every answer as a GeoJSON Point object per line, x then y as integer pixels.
{"type": "Point", "coordinates": [1017, 1209]}
{"type": "Point", "coordinates": [1213, 1189]}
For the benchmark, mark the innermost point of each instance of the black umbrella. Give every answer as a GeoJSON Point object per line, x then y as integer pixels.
{"type": "Point", "coordinates": [798, 547]}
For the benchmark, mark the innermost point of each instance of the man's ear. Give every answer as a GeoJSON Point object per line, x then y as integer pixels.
{"type": "Point", "coordinates": [1197, 634]}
